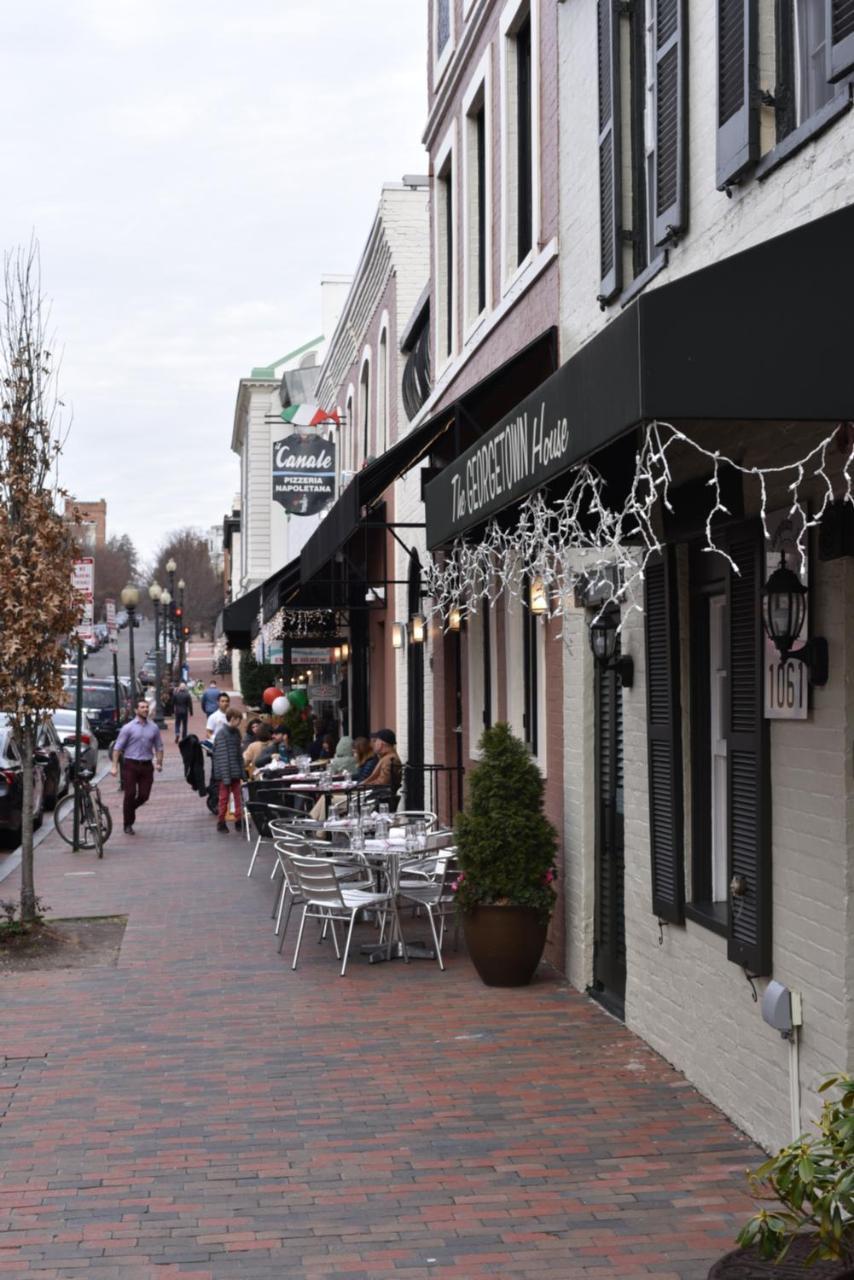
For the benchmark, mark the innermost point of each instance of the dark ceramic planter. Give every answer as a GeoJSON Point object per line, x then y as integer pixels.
{"type": "Point", "coordinates": [505, 943]}
{"type": "Point", "coordinates": [745, 1264]}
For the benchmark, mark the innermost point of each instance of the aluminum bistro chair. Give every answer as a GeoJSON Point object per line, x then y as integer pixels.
{"type": "Point", "coordinates": [290, 891]}
{"type": "Point", "coordinates": [414, 815]}
{"type": "Point", "coordinates": [329, 899]}
{"type": "Point", "coordinates": [431, 890]}
{"type": "Point", "coordinates": [259, 813]}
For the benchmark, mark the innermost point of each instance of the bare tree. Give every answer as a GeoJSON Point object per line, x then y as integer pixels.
{"type": "Point", "coordinates": [116, 564]}
{"type": "Point", "coordinates": [204, 593]}
{"type": "Point", "coordinates": [38, 607]}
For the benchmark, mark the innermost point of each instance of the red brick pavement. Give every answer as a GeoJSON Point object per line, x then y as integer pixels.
{"type": "Point", "coordinates": [200, 1110]}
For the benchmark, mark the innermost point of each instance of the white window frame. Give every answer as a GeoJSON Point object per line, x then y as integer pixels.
{"type": "Point", "coordinates": [474, 673]}
{"type": "Point", "coordinates": [349, 415]}
{"type": "Point", "coordinates": [479, 91]}
{"type": "Point", "coordinates": [364, 428]}
{"type": "Point", "coordinates": [446, 162]}
{"type": "Point", "coordinates": [441, 60]}
{"type": "Point", "coordinates": [512, 15]}
{"type": "Point", "coordinates": [382, 381]}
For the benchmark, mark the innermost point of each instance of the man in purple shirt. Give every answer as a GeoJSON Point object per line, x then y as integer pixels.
{"type": "Point", "coordinates": [139, 741]}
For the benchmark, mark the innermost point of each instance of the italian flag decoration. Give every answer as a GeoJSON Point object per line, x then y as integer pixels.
{"type": "Point", "coordinates": [308, 415]}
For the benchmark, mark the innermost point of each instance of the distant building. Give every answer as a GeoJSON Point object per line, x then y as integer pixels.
{"type": "Point", "coordinates": [91, 517]}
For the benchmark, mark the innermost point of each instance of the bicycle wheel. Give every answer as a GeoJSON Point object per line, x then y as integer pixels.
{"type": "Point", "coordinates": [93, 825]}
{"type": "Point", "coordinates": [63, 819]}
{"type": "Point", "coordinates": [106, 818]}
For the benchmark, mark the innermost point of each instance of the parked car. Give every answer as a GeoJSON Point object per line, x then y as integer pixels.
{"type": "Point", "coordinates": [54, 756]}
{"type": "Point", "coordinates": [12, 788]}
{"type": "Point", "coordinates": [99, 704]}
{"type": "Point", "coordinates": [65, 723]}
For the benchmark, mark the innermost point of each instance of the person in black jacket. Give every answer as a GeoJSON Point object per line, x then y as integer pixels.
{"type": "Point", "coordinates": [194, 763]}
{"type": "Point", "coordinates": [182, 705]}
{"type": "Point", "coordinates": [229, 770]}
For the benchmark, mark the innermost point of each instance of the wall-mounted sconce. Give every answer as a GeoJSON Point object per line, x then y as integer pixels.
{"type": "Point", "coordinates": [417, 627]}
{"type": "Point", "coordinates": [603, 642]}
{"type": "Point", "coordinates": [345, 651]}
{"type": "Point", "coordinates": [784, 610]}
{"type": "Point", "coordinates": [538, 598]}
{"type": "Point", "coordinates": [336, 653]}
{"type": "Point", "coordinates": [398, 635]}
{"type": "Point", "coordinates": [455, 619]}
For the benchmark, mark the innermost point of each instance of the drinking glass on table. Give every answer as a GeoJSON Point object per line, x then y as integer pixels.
{"type": "Point", "coordinates": [421, 834]}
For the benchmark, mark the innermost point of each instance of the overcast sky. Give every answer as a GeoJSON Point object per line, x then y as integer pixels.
{"type": "Point", "coordinates": [191, 170]}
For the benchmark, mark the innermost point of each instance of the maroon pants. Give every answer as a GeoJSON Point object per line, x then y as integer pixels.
{"type": "Point", "coordinates": [225, 790]}
{"type": "Point", "coordinates": [137, 777]}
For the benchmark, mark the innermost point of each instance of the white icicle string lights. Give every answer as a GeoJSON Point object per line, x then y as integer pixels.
{"type": "Point", "coordinates": [612, 548]}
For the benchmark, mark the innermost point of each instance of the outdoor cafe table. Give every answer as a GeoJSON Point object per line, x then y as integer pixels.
{"type": "Point", "coordinates": [386, 853]}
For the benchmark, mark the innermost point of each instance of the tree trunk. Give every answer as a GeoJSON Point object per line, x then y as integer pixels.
{"type": "Point", "coordinates": [28, 892]}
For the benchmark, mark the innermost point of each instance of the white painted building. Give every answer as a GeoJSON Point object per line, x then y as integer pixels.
{"type": "Point", "coordinates": [781, 159]}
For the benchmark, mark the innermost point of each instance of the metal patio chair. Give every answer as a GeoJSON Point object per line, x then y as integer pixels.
{"type": "Point", "coordinates": [327, 898]}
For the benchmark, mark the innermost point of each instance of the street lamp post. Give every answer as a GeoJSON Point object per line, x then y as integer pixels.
{"type": "Point", "coordinates": [171, 566]}
{"type": "Point", "coordinates": [181, 659]}
{"type": "Point", "coordinates": [156, 595]}
{"type": "Point", "coordinates": [165, 602]}
{"type": "Point", "coordinates": [130, 599]}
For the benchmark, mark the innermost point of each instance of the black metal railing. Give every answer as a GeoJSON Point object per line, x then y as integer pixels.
{"type": "Point", "coordinates": [437, 787]}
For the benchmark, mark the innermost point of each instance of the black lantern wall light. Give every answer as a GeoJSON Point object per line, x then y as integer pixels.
{"type": "Point", "coordinates": [603, 642]}
{"type": "Point", "coordinates": [784, 611]}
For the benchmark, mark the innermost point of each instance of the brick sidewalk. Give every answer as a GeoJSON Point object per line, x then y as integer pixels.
{"type": "Point", "coordinates": [200, 1110]}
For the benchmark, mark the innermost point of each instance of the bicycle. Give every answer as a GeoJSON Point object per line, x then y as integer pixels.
{"type": "Point", "coordinates": [95, 822]}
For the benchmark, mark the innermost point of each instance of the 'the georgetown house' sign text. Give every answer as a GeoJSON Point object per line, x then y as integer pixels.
{"type": "Point", "coordinates": [516, 457]}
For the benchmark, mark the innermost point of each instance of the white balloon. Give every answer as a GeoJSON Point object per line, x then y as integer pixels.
{"type": "Point", "coordinates": [280, 706]}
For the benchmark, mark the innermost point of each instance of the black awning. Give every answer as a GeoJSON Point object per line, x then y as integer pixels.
{"type": "Point", "coordinates": [367, 486]}
{"type": "Point", "coordinates": [762, 335]}
{"type": "Point", "coordinates": [238, 617]}
{"type": "Point", "coordinates": [465, 414]}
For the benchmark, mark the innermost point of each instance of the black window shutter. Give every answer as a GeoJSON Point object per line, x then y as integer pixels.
{"type": "Point", "coordinates": [671, 121]}
{"type": "Point", "coordinates": [610, 180]}
{"type": "Point", "coordinates": [840, 42]}
{"type": "Point", "coordinates": [738, 78]}
{"type": "Point", "coordinates": [664, 739]}
{"type": "Point", "coordinates": [748, 762]}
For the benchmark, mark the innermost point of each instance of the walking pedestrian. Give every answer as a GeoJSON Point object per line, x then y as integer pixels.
{"type": "Point", "coordinates": [217, 718]}
{"type": "Point", "coordinates": [210, 698]}
{"type": "Point", "coordinates": [182, 703]}
{"type": "Point", "coordinates": [228, 770]}
{"type": "Point", "coordinates": [138, 744]}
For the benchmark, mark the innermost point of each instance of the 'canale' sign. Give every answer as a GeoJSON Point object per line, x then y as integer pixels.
{"type": "Point", "coordinates": [303, 473]}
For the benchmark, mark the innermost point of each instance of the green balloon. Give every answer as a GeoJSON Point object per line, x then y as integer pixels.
{"type": "Point", "coordinates": [298, 698]}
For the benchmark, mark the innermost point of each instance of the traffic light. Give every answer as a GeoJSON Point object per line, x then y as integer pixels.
{"type": "Point", "coordinates": [179, 612]}
{"type": "Point", "coordinates": [185, 631]}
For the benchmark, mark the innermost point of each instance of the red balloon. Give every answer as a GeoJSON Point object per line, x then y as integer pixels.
{"type": "Point", "coordinates": [270, 695]}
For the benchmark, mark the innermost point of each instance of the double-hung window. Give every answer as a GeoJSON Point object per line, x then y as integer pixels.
{"type": "Point", "coordinates": [717, 643]}
{"type": "Point", "coordinates": [519, 59]}
{"type": "Point", "coordinates": [642, 200]}
{"type": "Point", "coordinates": [477, 194]}
{"type": "Point", "coordinates": [445, 249]}
{"type": "Point", "coordinates": [813, 59]}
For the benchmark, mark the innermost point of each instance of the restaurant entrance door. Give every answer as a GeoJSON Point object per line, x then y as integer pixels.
{"type": "Point", "coordinates": [609, 964]}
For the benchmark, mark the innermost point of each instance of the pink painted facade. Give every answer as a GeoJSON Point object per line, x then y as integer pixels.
{"type": "Point", "coordinates": [522, 304]}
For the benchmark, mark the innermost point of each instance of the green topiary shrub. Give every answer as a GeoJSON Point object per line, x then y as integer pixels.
{"type": "Point", "coordinates": [298, 724]}
{"type": "Point", "coordinates": [255, 677]}
{"type": "Point", "coordinates": [506, 844]}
